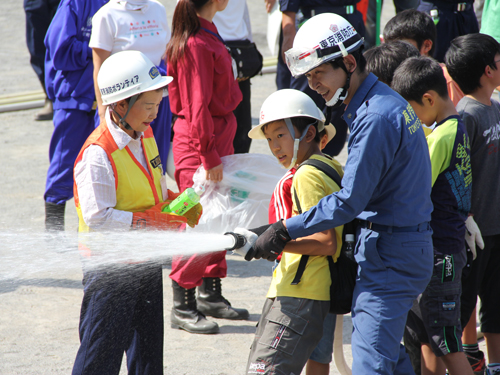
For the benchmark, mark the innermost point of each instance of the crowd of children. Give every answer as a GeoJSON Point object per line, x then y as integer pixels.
{"type": "Point", "coordinates": [471, 83]}
{"type": "Point", "coordinates": [421, 177]}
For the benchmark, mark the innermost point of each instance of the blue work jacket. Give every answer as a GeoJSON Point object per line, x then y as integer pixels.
{"type": "Point", "coordinates": [388, 174]}
{"type": "Point", "coordinates": [68, 60]}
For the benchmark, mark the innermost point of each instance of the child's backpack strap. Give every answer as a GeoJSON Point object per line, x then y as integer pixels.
{"type": "Point", "coordinates": [334, 175]}
{"type": "Point", "coordinates": [325, 168]}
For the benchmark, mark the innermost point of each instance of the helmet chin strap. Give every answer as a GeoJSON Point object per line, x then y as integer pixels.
{"type": "Point", "coordinates": [122, 121]}
{"type": "Point", "coordinates": [296, 141]}
{"type": "Point", "coordinates": [340, 95]}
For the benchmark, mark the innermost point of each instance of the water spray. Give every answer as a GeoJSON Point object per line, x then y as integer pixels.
{"type": "Point", "coordinates": [25, 253]}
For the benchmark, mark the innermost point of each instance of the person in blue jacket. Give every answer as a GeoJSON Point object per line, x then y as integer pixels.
{"type": "Point", "coordinates": [69, 85]}
{"type": "Point", "coordinates": [386, 185]}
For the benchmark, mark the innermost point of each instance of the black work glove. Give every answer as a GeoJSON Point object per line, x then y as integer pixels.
{"type": "Point", "coordinates": [271, 242]}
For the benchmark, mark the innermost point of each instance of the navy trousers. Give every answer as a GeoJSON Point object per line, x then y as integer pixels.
{"type": "Point", "coordinates": [394, 268]}
{"type": "Point", "coordinates": [39, 14]}
{"type": "Point", "coordinates": [122, 312]}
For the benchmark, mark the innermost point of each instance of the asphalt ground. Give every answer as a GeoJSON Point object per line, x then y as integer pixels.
{"type": "Point", "coordinates": [39, 311]}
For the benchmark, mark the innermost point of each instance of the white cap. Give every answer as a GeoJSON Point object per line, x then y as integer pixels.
{"type": "Point", "coordinates": [199, 189]}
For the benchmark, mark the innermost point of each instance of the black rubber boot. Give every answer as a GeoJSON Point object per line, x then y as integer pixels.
{"type": "Point", "coordinates": [185, 314]}
{"type": "Point", "coordinates": [54, 216]}
{"type": "Point", "coordinates": [212, 303]}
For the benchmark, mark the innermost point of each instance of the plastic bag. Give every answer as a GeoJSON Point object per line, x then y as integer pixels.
{"type": "Point", "coordinates": [242, 198]}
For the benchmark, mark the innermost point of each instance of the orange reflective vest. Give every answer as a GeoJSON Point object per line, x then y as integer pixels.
{"type": "Point", "coordinates": [136, 189]}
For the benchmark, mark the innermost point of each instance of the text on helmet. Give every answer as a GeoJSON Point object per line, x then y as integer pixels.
{"type": "Point", "coordinates": [120, 86]}
{"type": "Point", "coordinates": [337, 37]}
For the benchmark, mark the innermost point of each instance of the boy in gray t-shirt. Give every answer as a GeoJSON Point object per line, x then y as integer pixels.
{"type": "Point", "coordinates": [473, 61]}
{"type": "Point", "coordinates": [483, 126]}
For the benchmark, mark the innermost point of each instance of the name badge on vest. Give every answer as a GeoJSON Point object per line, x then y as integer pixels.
{"type": "Point", "coordinates": [155, 162]}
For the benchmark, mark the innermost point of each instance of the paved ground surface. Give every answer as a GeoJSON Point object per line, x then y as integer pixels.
{"type": "Point", "coordinates": [39, 310]}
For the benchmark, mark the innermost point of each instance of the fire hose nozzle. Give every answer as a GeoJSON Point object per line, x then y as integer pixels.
{"type": "Point", "coordinates": [243, 242]}
{"type": "Point", "coordinates": [239, 240]}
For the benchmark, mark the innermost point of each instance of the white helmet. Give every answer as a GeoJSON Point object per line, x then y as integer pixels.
{"type": "Point", "coordinates": [322, 38]}
{"type": "Point", "coordinates": [285, 104]}
{"type": "Point", "coordinates": [126, 74]}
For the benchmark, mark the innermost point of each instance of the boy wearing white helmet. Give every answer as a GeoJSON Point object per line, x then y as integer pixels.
{"type": "Point", "coordinates": [387, 185]}
{"type": "Point", "coordinates": [119, 185]}
{"type": "Point", "coordinates": [294, 128]}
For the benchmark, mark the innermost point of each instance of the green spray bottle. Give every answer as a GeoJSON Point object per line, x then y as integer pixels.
{"type": "Point", "coordinates": [184, 202]}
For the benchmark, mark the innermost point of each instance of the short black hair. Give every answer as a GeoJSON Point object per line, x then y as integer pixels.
{"type": "Point", "coordinates": [358, 56]}
{"type": "Point", "coordinates": [411, 24]}
{"type": "Point", "coordinates": [417, 75]}
{"type": "Point", "coordinates": [468, 57]}
{"type": "Point", "coordinates": [301, 124]}
{"type": "Point", "coordinates": [384, 59]}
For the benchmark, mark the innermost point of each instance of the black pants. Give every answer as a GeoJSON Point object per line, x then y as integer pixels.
{"type": "Point", "coordinates": [483, 281]}
{"type": "Point", "coordinates": [243, 114]}
{"type": "Point", "coordinates": [39, 14]}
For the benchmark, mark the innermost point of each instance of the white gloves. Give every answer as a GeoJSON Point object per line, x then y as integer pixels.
{"type": "Point", "coordinates": [251, 238]}
{"type": "Point", "coordinates": [473, 235]}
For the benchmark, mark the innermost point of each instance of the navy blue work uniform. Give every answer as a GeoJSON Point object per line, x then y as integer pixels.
{"type": "Point", "coordinates": [452, 19]}
{"type": "Point", "coordinates": [387, 185]}
{"type": "Point", "coordinates": [70, 86]}
{"type": "Point", "coordinates": [121, 299]}
{"type": "Point", "coordinates": [38, 13]}
{"type": "Point", "coordinates": [284, 79]}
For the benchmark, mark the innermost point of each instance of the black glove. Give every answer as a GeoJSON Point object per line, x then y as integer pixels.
{"type": "Point", "coordinates": [271, 243]}
{"type": "Point", "coordinates": [258, 231]}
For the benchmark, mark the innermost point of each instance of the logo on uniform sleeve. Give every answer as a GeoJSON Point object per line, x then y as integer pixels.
{"type": "Point", "coordinates": [334, 28]}
{"type": "Point", "coordinates": [153, 72]}
{"type": "Point", "coordinates": [155, 162]}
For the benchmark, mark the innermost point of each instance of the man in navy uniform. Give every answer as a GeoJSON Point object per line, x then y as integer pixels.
{"type": "Point", "coordinates": [386, 185]}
